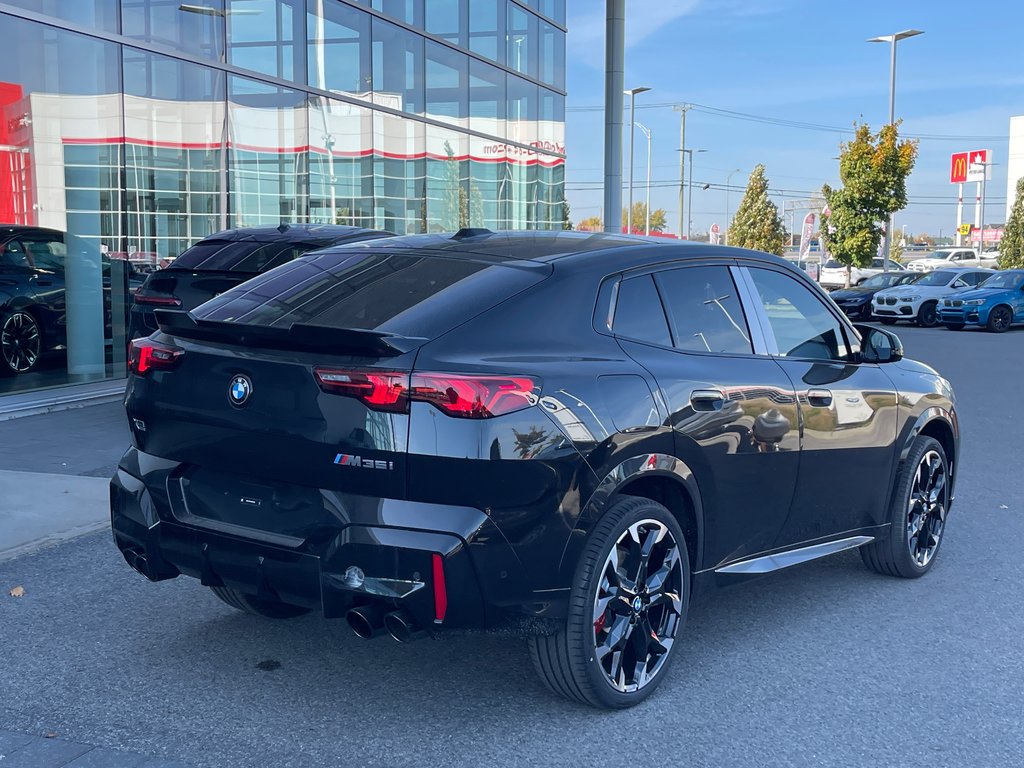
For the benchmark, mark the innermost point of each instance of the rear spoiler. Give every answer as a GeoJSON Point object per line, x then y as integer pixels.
{"type": "Point", "coordinates": [302, 337]}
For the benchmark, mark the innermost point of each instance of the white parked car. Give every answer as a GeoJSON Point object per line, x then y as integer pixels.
{"type": "Point", "coordinates": [833, 274]}
{"type": "Point", "coordinates": [918, 301]}
{"type": "Point", "coordinates": [953, 257]}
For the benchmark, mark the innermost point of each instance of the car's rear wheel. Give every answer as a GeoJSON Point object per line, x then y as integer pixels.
{"type": "Point", "coordinates": [999, 319]}
{"type": "Point", "coordinates": [918, 514]}
{"type": "Point", "coordinates": [21, 342]}
{"type": "Point", "coordinates": [955, 326]}
{"type": "Point", "coordinates": [627, 606]}
{"type": "Point", "coordinates": [270, 609]}
{"type": "Point", "coordinates": [887, 320]}
{"type": "Point", "coordinates": [927, 317]}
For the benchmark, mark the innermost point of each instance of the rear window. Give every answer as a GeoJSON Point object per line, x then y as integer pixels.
{"type": "Point", "coordinates": [240, 255]}
{"type": "Point", "coordinates": [408, 295]}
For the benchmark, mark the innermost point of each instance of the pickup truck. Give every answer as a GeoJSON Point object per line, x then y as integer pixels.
{"type": "Point", "coordinates": [952, 257]}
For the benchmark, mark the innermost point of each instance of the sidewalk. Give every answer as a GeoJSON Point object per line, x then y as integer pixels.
{"type": "Point", "coordinates": [19, 750]}
{"type": "Point", "coordinates": [54, 471]}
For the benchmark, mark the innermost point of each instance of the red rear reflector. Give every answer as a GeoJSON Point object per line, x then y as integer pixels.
{"type": "Point", "coordinates": [440, 589]}
{"type": "Point", "coordinates": [459, 395]}
{"type": "Point", "coordinates": [145, 355]}
{"type": "Point", "coordinates": [156, 300]}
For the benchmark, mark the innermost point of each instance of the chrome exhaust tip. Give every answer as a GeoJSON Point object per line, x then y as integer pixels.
{"type": "Point", "coordinates": [402, 627]}
{"type": "Point", "coordinates": [366, 621]}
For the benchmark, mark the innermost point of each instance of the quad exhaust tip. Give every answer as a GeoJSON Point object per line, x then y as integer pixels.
{"type": "Point", "coordinates": [402, 627]}
{"type": "Point", "coordinates": [366, 620]}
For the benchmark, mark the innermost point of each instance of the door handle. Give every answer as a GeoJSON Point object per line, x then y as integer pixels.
{"type": "Point", "coordinates": [819, 398]}
{"type": "Point", "coordinates": [707, 400]}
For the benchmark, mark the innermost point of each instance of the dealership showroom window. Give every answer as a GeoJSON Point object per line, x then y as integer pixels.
{"type": "Point", "coordinates": [131, 129]}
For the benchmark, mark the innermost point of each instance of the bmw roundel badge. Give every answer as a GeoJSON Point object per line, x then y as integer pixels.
{"type": "Point", "coordinates": [239, 390]}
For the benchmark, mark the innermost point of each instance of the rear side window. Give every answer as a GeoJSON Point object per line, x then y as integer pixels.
{"type": "Point", "coordinates": [409, 295]}
{"type": "Point", "coordinates": [705, 311]}
{"type": "Point", "coordinates": [639, 314]}
{"type": "Point", "coordinates": [240, 255]}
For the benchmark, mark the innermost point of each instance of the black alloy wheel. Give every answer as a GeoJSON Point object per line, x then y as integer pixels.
{"type": "Point", "coordinates": [21, 343]}
{"type": "Point", "coordinates": [918, 514]}
{"type": "Point", "coordinates": [269, 609]}
{"type": "Point", "coordinates": [626, 609]}
{"type": "Point", "coordinates": [927, 316]}
{"type": "Point", "coordinates": [999, 319]}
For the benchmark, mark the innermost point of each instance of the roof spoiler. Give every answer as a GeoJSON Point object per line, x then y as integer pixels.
{"type": "Point", "coordinates": [304, 337]}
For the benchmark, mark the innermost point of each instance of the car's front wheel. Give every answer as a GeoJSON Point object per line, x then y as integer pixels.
{"type": "Point", "coordinates": [927, 316]}
{"type": "Point", "coordinates": [21, 342]}
{"type": "Point", "coordinates": [918, 514]}
{"type": "Point", "coordinates": [999, 319]}
{"type": "Point", "coordinates": [270, 609]}
{"type": "Point", "coordinates": [627, 606]}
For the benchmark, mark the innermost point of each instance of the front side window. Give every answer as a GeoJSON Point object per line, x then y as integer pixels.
{"type": "Point", "coordinates": [801, 323]}
{"type": "Point", "coordinates": [705, 311]}
{"type": "Point", "coordinates": [639, 314]}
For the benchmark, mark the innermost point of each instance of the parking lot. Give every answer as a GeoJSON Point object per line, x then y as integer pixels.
{"type": "Point", "coordinates": [824, 664]}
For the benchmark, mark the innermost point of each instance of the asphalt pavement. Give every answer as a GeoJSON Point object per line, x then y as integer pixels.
{"type": "Point", "coordinates": [824, 664]}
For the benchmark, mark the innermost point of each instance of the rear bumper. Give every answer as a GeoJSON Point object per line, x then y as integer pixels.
{"type": "Point", "coordinates": [481, 575]}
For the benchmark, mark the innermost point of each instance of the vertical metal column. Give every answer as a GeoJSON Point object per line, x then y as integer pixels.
{"type": "Point", "coordinates": [615, 54]}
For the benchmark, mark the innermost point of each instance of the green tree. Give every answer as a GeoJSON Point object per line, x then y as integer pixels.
{"type": "Point", "coordinates": [757, 224]}
{"type": "Point", "coordinates": [659, 219]}
{"type": "Point", "coordinates": [1011, 249]}
{"type": "Point", "coordinates": [873, 168]}
{"type": "Point", "coordinates": [566, 220]}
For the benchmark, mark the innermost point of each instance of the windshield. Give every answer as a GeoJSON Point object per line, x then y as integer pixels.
{"type": "Point", "coordinates": [833, 264]}
{"type": "Point", "coordinates": [1007, 280]}
{"type": "Point", "coordinates": [940, 277]}
{"type": "Point", "coordinates": [882, 281]}
{"type": "Point", "coordinates": [937, 255]}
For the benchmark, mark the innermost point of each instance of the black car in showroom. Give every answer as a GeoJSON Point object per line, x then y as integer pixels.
{"type": "Point", "coordinates": [221, 261]}
{"type": "Point", "coordinates": [856, 300]}
{"type": "Point", "coordinates": [559, 432]}
{"type": "Point", "coordinates": [33, 291]}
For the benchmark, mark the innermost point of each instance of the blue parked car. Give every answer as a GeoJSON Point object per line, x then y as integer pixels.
{"type": "Point", "coordinates": [995, 304]}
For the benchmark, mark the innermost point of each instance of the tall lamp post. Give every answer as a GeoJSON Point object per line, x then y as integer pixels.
{"type": "Point", "coordinates": [689, 190]}
{"type": "Point", "coordinates": [632, 92]}
{"type": "Point", "coordinates": [647, 133]}
{"type": "Point", "coordinates": [892, 40]}
{"type": "Point", "coordinates": [728, 181]}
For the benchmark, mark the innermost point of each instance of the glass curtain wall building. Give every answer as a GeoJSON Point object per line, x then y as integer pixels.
{"type": "Point", "coordinates": [137, 127]}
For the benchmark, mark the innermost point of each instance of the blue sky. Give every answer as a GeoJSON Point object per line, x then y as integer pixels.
{"type": "Point", "coordinates": [805, 61]}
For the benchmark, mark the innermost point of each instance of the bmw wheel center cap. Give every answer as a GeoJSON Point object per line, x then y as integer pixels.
{"type": "Point", "coordinates": [239, 390]}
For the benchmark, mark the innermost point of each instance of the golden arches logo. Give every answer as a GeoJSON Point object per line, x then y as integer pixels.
{"type": "Point", "coordinates": [958, 168]}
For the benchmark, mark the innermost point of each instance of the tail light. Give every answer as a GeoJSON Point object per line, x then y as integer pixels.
{"type": "Point", "coordinates": [145, 355]}
{"type": "Point", "coordinates": [458, 395]}
{"type": "Point", "coordinates": [440, 588]}
{"type": "Point", "coordinates": [145, 298]}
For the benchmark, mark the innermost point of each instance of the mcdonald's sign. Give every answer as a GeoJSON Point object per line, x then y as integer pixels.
{"type": "Point", "coordinates": [958, 168]}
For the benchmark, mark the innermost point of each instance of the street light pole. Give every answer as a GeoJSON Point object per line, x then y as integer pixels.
{"type": "Point", "coordinates": [632, 92]}
{"type": "Point", "coordinates": [892, 40]}
{"type": "Point", "coordinates": [682, 109]}
{"type": "Point", "coordinates": [614, 65]}
{"type": "Point", "coordinates": [689, 192]}
{"type": "Point", "coordinates": [647, 133]}
{"type": "Point", "coordinates": [728, 181]}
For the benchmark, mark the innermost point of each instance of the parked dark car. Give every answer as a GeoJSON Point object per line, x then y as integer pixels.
{"type": "Point", "coordinates": [856, 301]}
{"type": "Point", "coordinates": [222, 261]}
{"type": "Point", "coordinates": [33, 306]}
{"type": "Point", "coordinates": [563, 432]}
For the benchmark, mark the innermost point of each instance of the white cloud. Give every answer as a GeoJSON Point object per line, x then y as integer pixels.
{"type": "Point", "coordinates": [586, 23]}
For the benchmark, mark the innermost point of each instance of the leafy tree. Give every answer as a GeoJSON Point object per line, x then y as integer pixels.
{"type": "Point", "coordinates": [757, 223]}
{"type": "Point", "coordinates": [659, 219]}
{"type": "Point", "coordinates": [895, 249]}
{"type": "Point", "coordinates": [590, 224]}
{"type": "Point", "coordinates": [1011, 249]}
{"type": "Point", "coordinates": [873, 168]}
{"type": "Point", "coordinates": [566, 221]}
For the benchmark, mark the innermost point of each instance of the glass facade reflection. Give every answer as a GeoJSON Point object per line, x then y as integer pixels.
{"type": "Point", "coordinates": [171, 120]}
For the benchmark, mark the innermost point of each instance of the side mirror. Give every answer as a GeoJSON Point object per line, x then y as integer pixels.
{"type": "Point", "coordinates": [878, 345]}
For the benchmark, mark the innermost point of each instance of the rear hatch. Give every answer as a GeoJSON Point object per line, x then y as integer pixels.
{"type": "Point", "coordinates": [290, 380]}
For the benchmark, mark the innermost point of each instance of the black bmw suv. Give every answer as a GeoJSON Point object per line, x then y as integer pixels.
{"type": "Point", "coordinates": [565, 432]}
{"type": "Point", "coordinates": [226, 259]}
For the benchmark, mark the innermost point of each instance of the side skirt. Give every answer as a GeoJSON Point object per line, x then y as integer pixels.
{"type": "Point", "coordinates": [780, 560]}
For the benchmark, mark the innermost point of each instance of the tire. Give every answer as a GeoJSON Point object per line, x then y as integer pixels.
{"type": "Point", "coordinates": [915, 511]}
{"type": "Point", "coordinates": [269, 609]}
{"type": "Point", "coordinates": [955, 326]}
{"type": "Point", "coordinates": [999, 319]}
{"type": "Point", "coordinates": [21, 342]}
{"type": "Point", "coordinates": [927, 316]}
{"type": "Point", "coordinates": [579, 661]}
{"type": "Point", "coordinates": [887, 320]}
